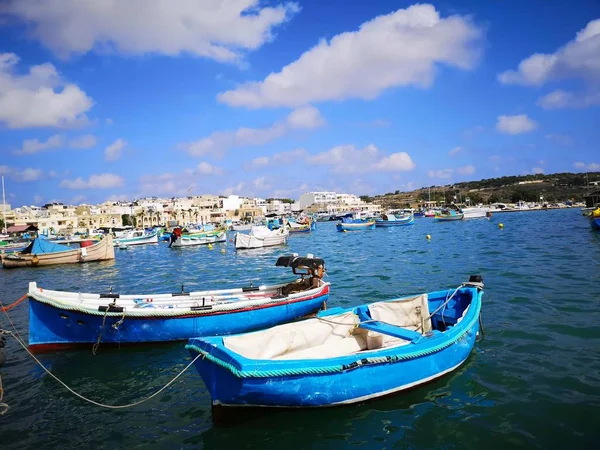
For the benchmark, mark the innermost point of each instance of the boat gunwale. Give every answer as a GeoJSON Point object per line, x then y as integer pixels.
{"type": "Point", "coordinates": [40, 295]}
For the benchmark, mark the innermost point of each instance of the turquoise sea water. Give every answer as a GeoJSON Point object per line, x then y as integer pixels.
{"type": "Point", "coordinates": [532, 382]}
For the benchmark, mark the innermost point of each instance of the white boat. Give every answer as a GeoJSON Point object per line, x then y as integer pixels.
{"type": "Point", "coordinates": [261, 236]}
{"type": "Point", "coordinates": [190, 240]}
{"type": "Point", "coordinates": [476, 212]}
{"type": "Point", "coordinates": [137, 237]}
{"type": "Point", "coordinates": [242, 227]}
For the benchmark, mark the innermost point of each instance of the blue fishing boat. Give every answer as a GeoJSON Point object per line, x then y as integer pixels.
{"type": "Point", "coordinates": [343, 356]}
{"type": "Point", "coordinates": [350, 224]}
{"type": "Point", "coordinates": [448, 215]}
{"type": "Point", "coordinates": [391, 220]}
{"type": "Point", "coordinates": [61, 319]}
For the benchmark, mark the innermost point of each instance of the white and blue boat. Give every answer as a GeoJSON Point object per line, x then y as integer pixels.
{"type": "Point", "coordinates": [60, 319]}
{"type": "Point", "coordinates": [350, 224]}
{"type": "Point", "coordinates": [391, 220]}
{"type": "Point", "coordinates": [343, 356]}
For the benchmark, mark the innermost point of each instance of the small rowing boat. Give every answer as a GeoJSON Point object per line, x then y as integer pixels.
{"type": "Point", "coordinates": [261, 236]}
{"type": "Point", "coordinates": [391, 220]}
{"type": "Point", "coordinates": [60, 319]}
{"type": "Point", "coordinates": [343, 356]}
{"type": "Point", "coordinates": [41, 252]}
{"type": "Point", "coordinates": [349, 224]}
{"type": "Point", "coordinates": [208, 237]}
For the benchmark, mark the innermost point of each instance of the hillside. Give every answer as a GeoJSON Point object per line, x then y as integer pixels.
{"type": "Point", "coordinates": [557, 187]}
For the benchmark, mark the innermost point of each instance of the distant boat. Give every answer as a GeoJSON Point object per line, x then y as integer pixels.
{"type": "Point", "coordinates": [349, 224]}
{"type": "Point", "coordinates": [41, 252]}
{"type": "Point", "coordinates": [137, 237]}
{"type": "Point", "coordinates": [448, 215]}
{"type": "Point", "coordinates": [392, 220]}
{"type": "Point", "coordinates": [189, 240]}
{"type": "Point", "coordinates": [476, 212]}
{"type": "Point", "coordinates": [343, 356]}
{"type": "Point", "coordinates": [61, 319]}
{"type": "Point", "coordinates": [261, 236]}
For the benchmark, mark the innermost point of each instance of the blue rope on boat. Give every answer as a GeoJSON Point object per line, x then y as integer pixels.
{"type": "Point", "coordinates": [338, 367]}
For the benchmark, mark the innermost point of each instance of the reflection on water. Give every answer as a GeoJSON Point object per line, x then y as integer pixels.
{"type": "Point", "coordinates": [534, 381]}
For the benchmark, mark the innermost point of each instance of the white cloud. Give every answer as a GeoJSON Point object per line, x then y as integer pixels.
{"type": "Point", "coordinates": [442, 173]}
{"type": "Point", "coordinates": [577, 59]}
{"type": "Point", "coordinates": [590, 167]}
{"type": "Point", "coordinates": [349, 159]}
{"type": "Point", "coordinates": [108, 121]}
{"type": "Point", "coordinates": [117, 198]}
{"type": "Point", "coordinates": [78, 199]}
{"type": "Point", "coordinates": [39, 98]}
{"type": "Point", "coordinates": [102, 181]}
{"type": "Point", "coordinates": [562, 139]}
{"type": "Point", "coordinates": [215, 30]}
{"type": "Point", "coordinates": [562, 99]}
{"type": "Point", "coordinates": [279, 159]}
{"type": "Point", "coordinates": [466, 170]}
{"type": "Point", "coordinates": [455, 151]}
{"type": "Point", "coordinates": [398, 49]}
{"type": "Point", "coordinates": [21, 175]}
{"type": "Point", "coordinates": [217, 143]}
{"type": "Point", "coordinates": [85, 141]}
{"type": "Point", "coordinates": [205, 168]}
{"type": "Point", "coordinates": [31, 146]}
{"type": "Point", "coordinates": [515, 124]}
{"type": "Point", "coordinates": [261, 184]}
{"type": "Point", "coordinates": [37, 200]}
{"type": "Point", "coordinates": [113, 151]}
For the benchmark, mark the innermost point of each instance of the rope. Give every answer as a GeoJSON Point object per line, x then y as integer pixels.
{"type": "Point", "coordinates": [2, 405]}
{"type": "Point", "coordinates": [129, 405]}
{"type": "Point", "coordinates": [12, 305]}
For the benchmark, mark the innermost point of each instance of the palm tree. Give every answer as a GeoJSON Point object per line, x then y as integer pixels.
{"type": "Point", "coordinates": [142, 216]}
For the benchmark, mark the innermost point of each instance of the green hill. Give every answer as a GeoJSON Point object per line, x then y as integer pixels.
{"type": "Point", "coordinates": [552, 188]}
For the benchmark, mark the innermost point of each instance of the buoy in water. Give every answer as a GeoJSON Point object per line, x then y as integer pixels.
{"type": "Point", "coordinates": [210, 246]}
{"type": "Point", "coordinates": [500, 225]}
{"type": "Point", "coordinates": [428, 237]}
{"type": "Point", "coordinates": [223, 250]}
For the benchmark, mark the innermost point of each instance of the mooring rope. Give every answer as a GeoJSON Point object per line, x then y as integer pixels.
{"type": "Point", "coordinates": [103, 405]}
{"type": "Point", "coordinates": [18, 338]}
{"type": "Point", "coordinates": [12, 305]}
{"type": "Point", "coordinates": [4, 406]}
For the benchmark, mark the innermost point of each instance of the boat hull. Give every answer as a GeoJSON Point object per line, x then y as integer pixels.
{"type": "Point", "coordinates": [449, 218]}
{"type": "Point", "coordinates": [595, 223]}
{"type": "Point", "coordinates": [355, 226]}
{"type": "Point", "coordinates": [51, 327]}
{"type": "Point", "coordinates": [200, 239]}
{"type": "Point", "coordinates": [395, 223]}
{"type": "Point", "coordinates": [247, 241]}
{"type": "Point", "coordinates": [324, 390]}
{"type": "Point", "coordinates": [101, 251]}
{"type": "Point", "coordinates": [149, 239]}
{"type": "Point", "coordinates": [476, 213]}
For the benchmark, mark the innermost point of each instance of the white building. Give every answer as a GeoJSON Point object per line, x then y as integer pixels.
{"type": "Point", "coordinates": [232, 202]}
{"type": "Point", "coordinates": [323, 198]}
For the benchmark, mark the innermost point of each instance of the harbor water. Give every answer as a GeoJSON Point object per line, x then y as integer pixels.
{"type": "Point", "coordinates": [533, 381]}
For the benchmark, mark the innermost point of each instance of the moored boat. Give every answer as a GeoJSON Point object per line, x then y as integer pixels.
{"type": "Point", "coordinates": [392, 220]}
{"type": "Point", "coordinates": [349, 224]}
{"type": "Point", "coordinates": [58, 319]}
{"type": "Point", "coordinates": [448, 216]}
{"type": "Point", "coordinates": [137, 237]}
{"type": "Point", "coordinates": [209, 237]}
{"type": "Point", "coordinates": [261, 236]}
{"type": "Point", "coordinates": [476, 212]}
{"type": "Point", "coordinates": [41, 252]}
{"type": "Point", "coordinates": [343, 356]}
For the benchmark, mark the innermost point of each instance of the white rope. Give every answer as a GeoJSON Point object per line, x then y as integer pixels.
{"type": "Point", "coordinates": [2, 405]}
{"type": "Point", "coordinates": [93, 401]}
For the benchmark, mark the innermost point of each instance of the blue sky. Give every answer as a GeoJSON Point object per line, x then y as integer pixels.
{"type": "Point", "coordinates": [119, 100]}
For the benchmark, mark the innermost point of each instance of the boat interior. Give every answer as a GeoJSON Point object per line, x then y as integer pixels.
{"type": "Point", "coordinates": [366, 328]}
